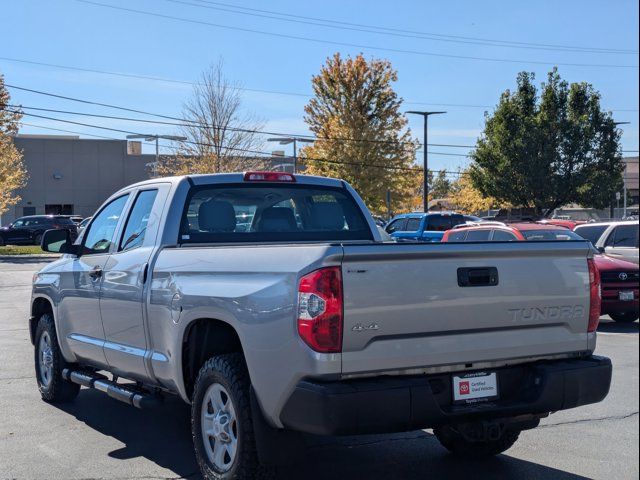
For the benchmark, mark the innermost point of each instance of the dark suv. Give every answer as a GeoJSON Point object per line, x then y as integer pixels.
{"type": "Point", "coordinates": [29, 230]}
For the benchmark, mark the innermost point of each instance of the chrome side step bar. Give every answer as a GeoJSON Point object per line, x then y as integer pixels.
{"type": "Point", "coordinates": [124, 393]}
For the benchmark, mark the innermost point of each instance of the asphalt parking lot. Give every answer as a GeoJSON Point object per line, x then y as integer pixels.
{"type": "Point", "coordinates": [99, 438]}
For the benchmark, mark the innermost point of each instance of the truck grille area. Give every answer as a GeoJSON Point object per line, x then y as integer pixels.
{"type": "Point", "coordinates": [620, 277]}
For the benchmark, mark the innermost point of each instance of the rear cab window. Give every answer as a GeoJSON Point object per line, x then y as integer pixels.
{"type": "Point", "coordinates": [271, 213]}
{"type": "Point", "coordinates": [550, 235]}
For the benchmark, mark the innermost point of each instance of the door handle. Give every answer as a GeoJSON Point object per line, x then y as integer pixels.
{"type": "Point", "coordinates": [478, 277]}
{"type": "Point", "coordinates": [95, 273]}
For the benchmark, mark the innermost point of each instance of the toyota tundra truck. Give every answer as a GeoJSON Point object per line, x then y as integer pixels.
{"type": "Point", "coordinates": [271, 304]}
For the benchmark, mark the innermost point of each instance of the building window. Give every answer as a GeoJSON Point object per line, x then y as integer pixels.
{"type": "Point", "coordinates": [58, 209]}
{"type": "Point", "coordinates": [26, 211]}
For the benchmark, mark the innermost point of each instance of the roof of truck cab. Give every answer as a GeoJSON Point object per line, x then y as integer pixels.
{"type": "Point", "coordinates": [236, 177]}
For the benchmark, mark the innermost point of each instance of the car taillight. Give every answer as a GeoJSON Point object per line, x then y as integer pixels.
{"type": "Point", "coordinates": [595, 296]}
{"type": "Point", "coordinates": [268, 177]}
{"type": "Point", "coordinates": [320, 310]}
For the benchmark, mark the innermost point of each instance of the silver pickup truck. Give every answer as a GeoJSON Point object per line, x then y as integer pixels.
{"type": "Point", "coordinates": [271, 304]}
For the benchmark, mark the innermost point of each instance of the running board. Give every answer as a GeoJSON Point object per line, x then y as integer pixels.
{"type": "Point", "coordinates": [115, 390]}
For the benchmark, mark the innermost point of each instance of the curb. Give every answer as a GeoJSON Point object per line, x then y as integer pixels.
{"type": "Point", "coordinates": [42, 256]}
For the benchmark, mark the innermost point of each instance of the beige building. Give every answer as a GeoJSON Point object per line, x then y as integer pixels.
{"type": "Point", "coordinates": [631, 180]}
{"type": "Point", "coordinates": [69, 175]}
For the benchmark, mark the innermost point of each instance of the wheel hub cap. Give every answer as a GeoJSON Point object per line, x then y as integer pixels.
{"type": "Point", "coordinates": [46, 359]}
{"type": "Point", "coordinates": [219, 427]}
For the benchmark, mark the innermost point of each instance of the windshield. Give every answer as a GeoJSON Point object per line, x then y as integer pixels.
{"type": "Point", "coordinates": [546, 235]}
{"type": "Point", "coordinates": [591, 233]}
{"type": "Point", "coordinates": [259, 213]}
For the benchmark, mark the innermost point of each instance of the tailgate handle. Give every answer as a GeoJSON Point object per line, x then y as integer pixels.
{"type": "Point", "coordinates": [478, 277]}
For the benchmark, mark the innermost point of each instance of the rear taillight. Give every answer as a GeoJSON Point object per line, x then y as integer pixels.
{"type": "Point", "coordinates": [320, 310]}
{"type": "Point", "coordinates": [268, 177]}
{"type": "Point", "coordinates": [595, 296]}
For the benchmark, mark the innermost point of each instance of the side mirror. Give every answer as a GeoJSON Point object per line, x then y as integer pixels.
{"type": "Point", "coordinates": [58, 241]}
{"type": "Point", "coordinates": [601, 249]}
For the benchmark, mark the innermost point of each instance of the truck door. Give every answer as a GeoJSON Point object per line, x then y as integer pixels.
{"type": "Point", "coordinates": [79, 319]}
{"type": "Point", "coordinates": [122, 304]}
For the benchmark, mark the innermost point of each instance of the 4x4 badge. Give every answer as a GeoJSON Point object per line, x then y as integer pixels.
{"type": "Point", "coordinates": [358, 327]}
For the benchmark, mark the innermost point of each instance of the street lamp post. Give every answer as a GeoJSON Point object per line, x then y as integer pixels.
{"type": "Point", "coordinates": [294, 140]}
{"type": "Point", "coordinates": [149, 138]}
{"type": "Point", "coordinates": [624, 181]}
{"type": "Point", "coordinates": [425, 188]}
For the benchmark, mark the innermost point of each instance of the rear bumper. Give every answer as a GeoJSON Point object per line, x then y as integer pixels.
{"type": "Point", "coordinates": [392, 404]}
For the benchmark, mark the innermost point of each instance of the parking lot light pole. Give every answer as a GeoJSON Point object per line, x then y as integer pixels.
{"type": "Point", "coordinates": [425, 188]}
{"type": "Point", "coordinates": [294, 140]}
{"type": "Point", "coordinates": [150, 138]}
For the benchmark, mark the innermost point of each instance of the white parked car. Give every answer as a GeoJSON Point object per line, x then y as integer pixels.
{"type": "Point", "coordinates": [616, 239]}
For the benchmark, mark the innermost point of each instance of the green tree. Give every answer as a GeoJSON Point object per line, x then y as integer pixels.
{"type": "Point", "coordinates": [12, 172]}
{"type": "Point", "coordinates": [355, 113]}
{"type": "Point", "coordinates": [440, 185]}
{"type": "Point", "coordinates": [549, 149]}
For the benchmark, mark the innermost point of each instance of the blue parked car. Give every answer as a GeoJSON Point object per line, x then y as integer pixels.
{"type": "Point", "coordinates": [422, 227]}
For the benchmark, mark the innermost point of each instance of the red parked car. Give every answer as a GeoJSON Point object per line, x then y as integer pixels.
{"type": "Point", "coordinates": [619, 278]}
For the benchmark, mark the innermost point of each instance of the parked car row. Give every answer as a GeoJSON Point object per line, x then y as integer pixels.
{"type": "Point", "coordinates": [30, 229]}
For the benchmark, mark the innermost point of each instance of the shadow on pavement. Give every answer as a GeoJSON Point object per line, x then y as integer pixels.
{"type": "Point", "coordinates": [609, 326]}
{"type": "Point", "coordinates": [163, 436]}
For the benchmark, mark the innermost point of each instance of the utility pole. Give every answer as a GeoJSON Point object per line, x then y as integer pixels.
{"type": "Point", "coordinates": [149, 138]}
{"type": "Point", "coordinates": [624, 182]}
{"type": "Point", "coordinates": [425, 188]}
{"type": "Point", "coordinates": [294, 140]}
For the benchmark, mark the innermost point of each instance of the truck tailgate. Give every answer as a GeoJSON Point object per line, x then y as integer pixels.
{"type": "Point", "coordinates": [405, 308]}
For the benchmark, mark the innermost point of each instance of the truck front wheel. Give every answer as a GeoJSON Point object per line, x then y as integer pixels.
{"type": "Point", "coordinates": [49, 364]}
{"type": "Point", "coordinates": [221, 422]}
{"type": "Point", "coordinates": [459, 445]}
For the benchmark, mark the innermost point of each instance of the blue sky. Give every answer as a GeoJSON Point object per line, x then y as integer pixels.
{"type": "Point", "coordinates": [89, 36]}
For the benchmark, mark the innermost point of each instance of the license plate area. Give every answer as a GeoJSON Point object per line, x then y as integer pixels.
{"type": "Point", "coordinates": [475, 387]}
{"type": "Point", "coordinates": [626, 296]}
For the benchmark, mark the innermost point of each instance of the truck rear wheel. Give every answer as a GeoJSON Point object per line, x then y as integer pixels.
{"type": "Point", "coordinates": [221, 422]}
{"type": "Point", "coordinates": [624, 317]}
{"type": "Point", "coordinates": [49, 364]}
{"type": "Point", "coordinates": [460, 446]}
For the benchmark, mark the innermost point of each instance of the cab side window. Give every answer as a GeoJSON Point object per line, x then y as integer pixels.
{"type": "Point", "coordinates": [624, 236]}
{"type": "Point", "coordinates": [396, 225]}
{"type": "Point", "coordinates": [102, 229]}
{"type": "Point", "coordinates": [136, 226]}
{"type": "Point", "coordinates": [413, 224]}
{"type": "Point", "coordinates": [478, 235]}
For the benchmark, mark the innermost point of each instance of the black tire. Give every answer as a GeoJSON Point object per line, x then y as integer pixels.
{"type": "Point", "coordinates": [475, 450]}
{"type": "Point", "coordinates": [37, 240]}
{"type": "Point", "coordinates": [230, 372]}
{"type": "Point", "coordinates": [624, 317]}
{"type": "Point", "coordinates": [53, 388]}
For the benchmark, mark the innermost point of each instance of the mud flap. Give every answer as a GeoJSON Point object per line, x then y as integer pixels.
{"type": "Point", "coordinates": [276, 447]}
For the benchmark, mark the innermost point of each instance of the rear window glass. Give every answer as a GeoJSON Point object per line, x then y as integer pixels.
{"type": "Point", "coordinates": [268, 213]}
{"type": "Point", "coordinates": [592, 233]}
{"type": "Point", "coordinates": [439, 223]}
{"type": "Point", "coordinates": [62, 221]}
{"type": "Point", "coordinates": [457, 236]}
{"type": "Point", "coordinates": [546, 235]}
{"type": "Point", "coordinates": [502, 236]}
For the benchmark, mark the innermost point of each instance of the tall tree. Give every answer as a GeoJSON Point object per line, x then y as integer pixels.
{"type": "Point", "coordinates": [468, 199]}
{"type": "Point", "coordinates": [440, 186]}
{"type": "Point", "coordinates": [13, 174]}
{"type": "Point", "coordinates": [220, 137]}
{"type": "Point", "coordinates": [547, 149]}
{"type": "Point", "coordinates": [355, 113]}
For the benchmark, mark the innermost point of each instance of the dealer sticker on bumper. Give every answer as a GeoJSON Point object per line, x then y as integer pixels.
{"type": "Point", "coordinates": [475, 387]}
